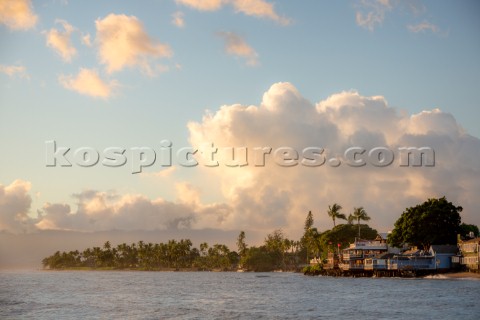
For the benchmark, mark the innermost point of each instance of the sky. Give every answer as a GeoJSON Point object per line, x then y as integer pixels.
{"type": "Point", "coordinates": [180, 75]}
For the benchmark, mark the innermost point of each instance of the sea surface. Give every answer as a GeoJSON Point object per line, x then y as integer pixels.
{"type": "Point", "coordinates": [215, 295]}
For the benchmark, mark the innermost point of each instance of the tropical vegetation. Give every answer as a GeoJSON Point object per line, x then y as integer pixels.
{"type": "Point", "coordinates": [436, 221]}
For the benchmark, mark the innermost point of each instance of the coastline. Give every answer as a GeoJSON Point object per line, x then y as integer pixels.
{"type": "Point", "coordinates": [457, 275]}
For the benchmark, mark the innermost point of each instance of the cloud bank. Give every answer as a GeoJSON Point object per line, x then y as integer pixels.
{"type": "Point", "coordinates": [274, 196]}
{"type": "Point", "coordinates": [261, 198]}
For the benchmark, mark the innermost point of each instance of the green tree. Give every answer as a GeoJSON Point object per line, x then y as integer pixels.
{"type": "Point", "coordinates": [275, 244]}
{"type": "Point", "coordinates": [334, 212]}
{"type": "Point", "coordinates": [308, 235]}
{"type": "Point", "coordinates": [259, 259]}
{"type": "Point", "coordinates": [344, 234]}
{"type": "Point", "coordinates": [241, 245]}
{"type": "Point", "coordinates": [360, 214]}
{"type": "Point", "coordinates": [465, 230]}
{"type": "Point", "coordinates": [350, 218]}
{"type": "Point", "coordinates": [308, 221]}
{"type": "Point", "coordinates": [436, 221]}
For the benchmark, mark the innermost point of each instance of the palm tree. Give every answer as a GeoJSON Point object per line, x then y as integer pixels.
{"type": "Point", "coordinates": [350, 219]}
{"type": "Point", "coordinates": [360, 214]}
{"type": "Point", "coordinates": [334, 212]}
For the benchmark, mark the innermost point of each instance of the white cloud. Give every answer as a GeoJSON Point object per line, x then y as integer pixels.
{"type": "Point", "coordinates": [14, 207]}
{"type": "Point", "coordinates": [89, 83]}
{"type": "Point", "coordinates": [17, 14]}
{"type": "Point", "coordinates": [61, 42]}
{"type": "Point", "coordinates": [177, 19]}
{"type": "Point", "coordinates": [272, 196]}
{"type": "Point", "coordinates": [256, 8]}
{"type": "Point", "coordinates": [235, 45]}
{"type": "Point", "coordinates": [423, 26]}
{"type": "Point", "coordinates": [15, 71]}
{"type": "Point", "coordinates": [123, 42]}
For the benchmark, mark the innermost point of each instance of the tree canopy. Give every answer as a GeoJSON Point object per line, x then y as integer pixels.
{"type": "Point", "coordinates": [465, 230]}
{"type": "Point", "coordinates": [436, 221]}
{"type": "Point", "coordinates": [344, 234]}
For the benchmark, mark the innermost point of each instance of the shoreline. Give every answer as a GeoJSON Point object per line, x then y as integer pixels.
{"type": "Point", "coordinates": [448, 275]}
{"type": "Point", "coordinates": [456, 275]}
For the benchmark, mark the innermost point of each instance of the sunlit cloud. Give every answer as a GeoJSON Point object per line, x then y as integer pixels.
{"type": "Point", "coordinates": [89, 83]}
{"type": "Point", "coordinates": [17, 14]}
{"type": "Point", "coordinates": [204, 5]}
{"type": "Point", "coordinates": [60, 41]}
{"type": "Point", "coordinates": [178, 20]}
{"type": "Point", "coordinates": [86, 40]}
{"type": "Point", "coordinates": [260, 9]}
{"type": "Point", "coordinates": [15, 202]}
{"type": "Point", "coordinates": [100, 211]}
{"type": "Point", "coordinates": [123, 42]}
{"type": "Point", "coordinates": [261, 198]}
{"type": "Point", "coordinates": [256, 8]}
{"type": "Point", "coordinates": [235, 45]}
{"type": "Point", "coordinates": [274, 196]}
{"type": "Point", "coordinates": [14, 71]}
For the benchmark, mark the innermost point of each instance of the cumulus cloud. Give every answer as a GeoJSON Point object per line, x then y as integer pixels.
{"type": "Point", "coordinates": [14, 71]}
{"type": "Point", "coordinates": [235, 45]}
{"type": "Point", "coordinates": [89, 83]}
{"type": "Point", "coordinates": [60, 40]}
{"type": "Point", "coordinates": [423, 27]}
{"type": "Point", "coordinates": [15, 204]}
{"type": "Point", "coordinates": [263, 195]}
{"type": "Point", "coordinates": [256, 8]}
{"type": "Point", "coordinates": [272, 196]}
{"type": "Point", "coordinates": [177, 19]}
{"type": "Point", "coordinates": [123, 42]}
{"type": "Point", "coordinates": [17, 14]}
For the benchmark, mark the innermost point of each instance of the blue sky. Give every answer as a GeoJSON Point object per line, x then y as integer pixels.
{"type": "Point", "coordinates": [417, 55]}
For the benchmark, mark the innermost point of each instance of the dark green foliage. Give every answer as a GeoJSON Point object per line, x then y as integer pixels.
{"type": "Point", "coordinates": [436, 221]}
{"type": "Point", "coordinates": [259, 259]}
{"type": "Point", "coordinates": [344, 234]}
{"type": "Point", "coordinates": [143, 256]}
{"type": "Point", "coordinates": [465, 230]}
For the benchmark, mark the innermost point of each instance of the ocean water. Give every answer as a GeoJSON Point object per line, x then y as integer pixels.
{"type": "Point", "coordinates": [212, 295]}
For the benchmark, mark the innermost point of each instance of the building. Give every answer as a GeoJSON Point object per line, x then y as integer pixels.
{"type": "Point", "coordinates": [469, 254]}
{"type": "Point", "coordinates": [443, 255]}
{"type": "Point", "coordinates": [353, 257]}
